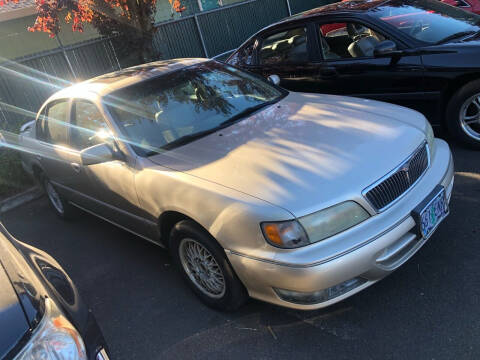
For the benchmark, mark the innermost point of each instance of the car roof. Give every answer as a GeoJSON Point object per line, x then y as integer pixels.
{"type": "Point", "coordinates": [107, 83]}
{"type": "Point", "coordinates": [341, 7]}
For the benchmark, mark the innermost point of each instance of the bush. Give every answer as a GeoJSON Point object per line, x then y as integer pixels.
{"type": "Point", "coordinates": [13, 178]}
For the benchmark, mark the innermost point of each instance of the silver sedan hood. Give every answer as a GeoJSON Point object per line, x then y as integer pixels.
{"type": "Point", "coordinates": [306, 152]}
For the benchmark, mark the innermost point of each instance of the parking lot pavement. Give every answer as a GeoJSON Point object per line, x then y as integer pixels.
{"type": "Point", "coordinates": [428, 309]}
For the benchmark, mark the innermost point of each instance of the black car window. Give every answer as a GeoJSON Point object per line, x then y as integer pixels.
{"type": "Point", "coordinates": [243, 56]}
{"type": "Point", "coordinates": [348, 40]}
{"type": "Point", "coordinates": [89, 127]}
{"type": "Point", "coordinates": [52, 125]}
{"type": "Point", "coordinates": [288, 46]}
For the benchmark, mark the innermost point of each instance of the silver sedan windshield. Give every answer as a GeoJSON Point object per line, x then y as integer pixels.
{"type": "Point", "coordinates": [176, 108]}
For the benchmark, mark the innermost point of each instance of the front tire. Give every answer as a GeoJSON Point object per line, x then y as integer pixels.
{"type": "Point", "coordinates": [204, 265]}
{"type": "Point", "coordinates": [463, 115]}
{"type": "Point", "coordinates": [57, 202]}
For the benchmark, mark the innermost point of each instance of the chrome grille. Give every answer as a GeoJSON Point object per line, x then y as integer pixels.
{"type": "Point", "coordinates": [387, 190]}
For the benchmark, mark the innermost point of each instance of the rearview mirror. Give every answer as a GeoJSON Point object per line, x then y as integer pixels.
{"type": "Point", "coordinates": [385, 48]}
{"type": "Point", "coordinates": [96, 154]}
{"type": "Point", "coordinates": [274, 79]}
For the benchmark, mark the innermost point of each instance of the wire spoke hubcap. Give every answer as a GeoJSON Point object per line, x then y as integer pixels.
{"type": "Point", "coordinates": [202, 268]}
{"type": "Point", "coordinates": [470, 117]}
{"type": "Point", "coordinates": [54, 197]}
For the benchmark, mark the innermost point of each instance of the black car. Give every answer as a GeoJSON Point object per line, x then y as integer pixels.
{"type": "Point", "coordinates": [422, 54]}
{"type": "Point", "coordinates": [41, 314]}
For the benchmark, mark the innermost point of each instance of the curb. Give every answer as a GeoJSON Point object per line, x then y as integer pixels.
{"type": "Point", "coordinates": [20, 199]}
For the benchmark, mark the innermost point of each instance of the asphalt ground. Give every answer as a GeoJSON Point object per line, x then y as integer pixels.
{"type": "Point", "coordinates": [427, 309]}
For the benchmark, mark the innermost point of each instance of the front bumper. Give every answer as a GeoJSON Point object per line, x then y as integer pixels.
{"type": "Point", "coordinates": [385, 242]}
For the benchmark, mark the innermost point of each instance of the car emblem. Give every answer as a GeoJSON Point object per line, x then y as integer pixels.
{"type": "Point", "coordinates": [406, 170]}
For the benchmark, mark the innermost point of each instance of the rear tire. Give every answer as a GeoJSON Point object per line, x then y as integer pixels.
{"type": "Point", "coordinates": [57, 202]}
{"type": "Point", "coordinates": [463, 115]}
{"type": "Point", "coordinates": [205, 267]}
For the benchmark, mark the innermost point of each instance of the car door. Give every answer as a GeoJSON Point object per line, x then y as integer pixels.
{"type": "Point", "coordinates": [286, 52]}
{"type": "Point", "coordinates": [109, 188]}
{"type": "Point", "coordinates": [348, 66]}
{"type": "Point", "coordinates": [53, 152]}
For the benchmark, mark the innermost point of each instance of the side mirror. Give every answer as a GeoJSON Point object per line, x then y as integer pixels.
{"type": "Point", "coordinates": [385, 48]}
{"type": "Point", "coordinates": [274, 79]}
{"type": "Point", "coordinates": [97, 154]}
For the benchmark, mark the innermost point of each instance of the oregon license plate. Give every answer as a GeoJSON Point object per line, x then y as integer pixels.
{"type": "Point", "coordinates": [431, 212]}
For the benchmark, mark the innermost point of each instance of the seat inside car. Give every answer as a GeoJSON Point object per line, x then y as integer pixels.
{"type": "Point", "coordinates": [327, 52]}
{"type": "Point", "coordinates": [363, 42]}
{"type": "Point", "coordinates": [363, 47]}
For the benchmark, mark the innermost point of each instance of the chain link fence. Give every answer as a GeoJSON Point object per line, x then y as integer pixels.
{"type": "Point", "coordinates": [25, 83]}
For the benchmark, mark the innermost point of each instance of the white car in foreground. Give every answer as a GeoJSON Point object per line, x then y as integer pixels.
{"type": "Point", "coordinates": [296, 199]}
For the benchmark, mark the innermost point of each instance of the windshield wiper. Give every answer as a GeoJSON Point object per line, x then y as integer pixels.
{"type": "Point", "coordinates": [244, 113]}
{"type": "Point", "coordinates": [189, 138]}
{"type": "Point", "coordinates": [456, 36]}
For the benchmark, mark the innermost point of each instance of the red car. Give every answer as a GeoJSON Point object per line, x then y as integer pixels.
{"type": "Point", "coordinates": [468, 5]}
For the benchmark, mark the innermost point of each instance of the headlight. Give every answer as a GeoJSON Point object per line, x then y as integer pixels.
{"type": "Point", "coordinates": [314, 227]}
{"type": "Point", "coordinates": [430, 140]}
{"type": "Point", "coordinates": [54, 339]}
{"type": "Point", "coordinates": [331, 221]}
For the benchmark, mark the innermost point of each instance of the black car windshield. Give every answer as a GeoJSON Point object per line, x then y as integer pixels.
{"type": "Point", "coordinates": [179, 107]}
{"type": "Point", "coordinates": [429, 21]}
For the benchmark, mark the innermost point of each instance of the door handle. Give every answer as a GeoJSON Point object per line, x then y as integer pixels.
{"type": "Point", "coordinates": [328, 72]}
{"type": "Point", "coordinates": [76, 167]}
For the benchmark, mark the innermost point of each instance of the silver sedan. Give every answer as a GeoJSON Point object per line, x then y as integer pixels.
{"type": "Point", "coordinates": [296, 199]}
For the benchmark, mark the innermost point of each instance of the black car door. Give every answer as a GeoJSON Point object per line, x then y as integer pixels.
{"type": "Point", "coordinates": [347, 65]}
{"type": "Point", "coordinates": [285, 51]}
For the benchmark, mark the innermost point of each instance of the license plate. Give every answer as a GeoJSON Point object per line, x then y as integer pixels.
{"type": "Point", "coordinates": [431, 212]}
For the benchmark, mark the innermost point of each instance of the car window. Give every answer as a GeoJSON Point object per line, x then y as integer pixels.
{"type": "Point", "coordinates": [89, 126]}
{"type": "Point", "coordinates": [285, 47]}
{"type": "Point", "coordinates": [428, 21]}
{"type": "Point", "coordinates": [243, 56]}
{"type": "Point", "coordinates": [53, 127]}
{"type": "Point", "coordinates": [176, 108]}
{"type": "Point", "coordinates": [348, 40]}
{"type": "Point", "coordinates": [40, 124]}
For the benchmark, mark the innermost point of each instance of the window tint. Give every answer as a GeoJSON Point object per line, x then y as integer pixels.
{"type": "Point", "coordinates": [348, 40]}
{"type": "Point", "coordinates": [285, 47]}
{"type": "Point", "coordinates": [53, 127]}
{"type": "Point", "coordinates": [90, 128]}
{"type": "Point", "coordinates": [244, 56]}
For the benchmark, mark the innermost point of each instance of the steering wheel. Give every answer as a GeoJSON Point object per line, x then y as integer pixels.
{"type": "Point", "coordinates": [356, 31]}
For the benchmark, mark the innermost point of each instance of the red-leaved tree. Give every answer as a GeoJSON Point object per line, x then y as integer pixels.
{"type": "Point", "coordinates": [131, 20]}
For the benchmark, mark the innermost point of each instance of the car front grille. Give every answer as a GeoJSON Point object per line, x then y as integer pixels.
{"type": "Point", "coordinates": [390, 188]}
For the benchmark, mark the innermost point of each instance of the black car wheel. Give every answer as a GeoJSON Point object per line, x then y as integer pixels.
{"type": "Point", "coordinates": [59, 204]}
{"type": "Point", "coordinates": [463, 115]}
{"type": "Point", "coordinates": [205, 267]}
